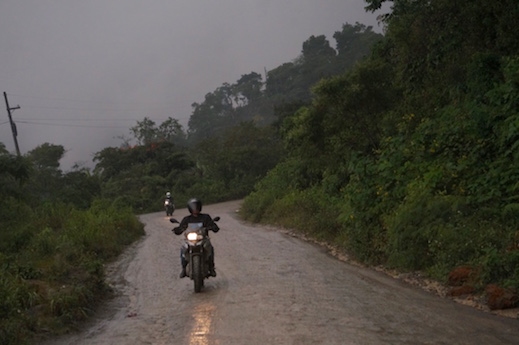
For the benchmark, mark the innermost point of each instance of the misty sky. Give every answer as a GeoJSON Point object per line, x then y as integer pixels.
{"type": "Point", "coordinates": [85, 71]}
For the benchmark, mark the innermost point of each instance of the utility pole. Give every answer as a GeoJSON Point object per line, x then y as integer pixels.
{"type": "Point", "coordinates": [13, 125]}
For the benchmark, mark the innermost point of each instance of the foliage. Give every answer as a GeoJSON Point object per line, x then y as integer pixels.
{"type": "Point", "coordinates": [14, 172]}
{"type": "Point", "coordinates": [46, 156]}
{"type": "Point", "coordinates": [139, 176]}
{"type": "Point", "coordinates": [295, 208]}
{"type": "Point", "coordinates": [146, 132]}
{"type": "Point", "coordinates": [354, 43]}
{"type": "Point", "coordinates": [55, 236]}
{"type": "Point", "coordinates": [213, 114]}
{"type": "Point", "coordinates": [237, 159]}
{"type": "Point", "coordinates": [36, 177]}
{"type": "Point", "coordinates": [54, 276]}
{"type": "Point", "coordinates": [418, 142]}
{"type": "Point", "coordinates": [216, 168]}
{"type": "Point", "coordinates": [251, 98]}
{"type": "Point", "coordinates": [275, 185]}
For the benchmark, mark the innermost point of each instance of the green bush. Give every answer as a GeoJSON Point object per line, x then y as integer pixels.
{"type": "Point", "coordinates": [258, 205]}
{"type": "Point", "coordinates": [54, 276]}
{"type": "Point", "coordinates": [501, 267]}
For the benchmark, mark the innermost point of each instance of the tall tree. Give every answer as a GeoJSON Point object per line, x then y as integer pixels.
{"type": "Point", "coordinates": [14, 171]}
{"type": "Point", "coordinates": [245, 154]}
{"type": "Point", "coordinates": [46, 183]}
{"type": "Point", "coordinates": [47, 156]}
{"type": "Point", "coordinates": [145, 131]}
{"type": "Point", "coordinates": [172, 131]}
{"type": "Point", "coordinates": [354, 42]}
{"type": "Point", "coordinates": [209, 116]}
{"type": "Point", "coordinates": [247, 89]}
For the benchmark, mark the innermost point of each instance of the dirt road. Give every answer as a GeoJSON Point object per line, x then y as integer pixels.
{"type": "Point", "coordinates": [272, 288]}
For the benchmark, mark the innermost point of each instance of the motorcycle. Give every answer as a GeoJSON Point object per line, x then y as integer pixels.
{"type": "Point", "coordinates": [169, 206]}
{"type": "Point", "coordinates": [196, 252]}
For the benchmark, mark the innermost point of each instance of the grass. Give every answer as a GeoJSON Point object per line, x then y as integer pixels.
{"type": "Point", "coordinates": [52, 266]}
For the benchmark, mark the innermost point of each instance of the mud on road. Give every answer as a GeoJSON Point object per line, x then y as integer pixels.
{"type": "Point", "coordinates": [272, 288]}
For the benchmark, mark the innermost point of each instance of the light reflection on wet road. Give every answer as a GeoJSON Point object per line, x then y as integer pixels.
{"type": "Point", "coordinates": [203, 319]}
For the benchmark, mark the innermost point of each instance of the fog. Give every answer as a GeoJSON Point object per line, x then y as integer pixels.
{"type": "Point", "coordinates": [84, 72]}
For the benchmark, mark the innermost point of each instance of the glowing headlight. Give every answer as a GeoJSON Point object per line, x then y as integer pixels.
{"type": "Point", "coordinates": [192, 236]}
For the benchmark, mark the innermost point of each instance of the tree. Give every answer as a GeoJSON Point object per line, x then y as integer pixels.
{"type": "Point", "coordinates": [346, 114]}
{"type": "Point", "coordinates": [317, 62]}
{"type": "Point", "coordinates": [317, 47]}
{"type": "Point", "coordinates": [45, 183]}
{"type": "Point", "coordinates": [280, 83]}
{"type": "Point", "coordinates": [12, 166]}
{"type": "Point", "coordinates": [292, 81]}
{"type": "Point", "coordinates": [145, 131]}
{"type": "Point", "coordinates": [245, 154]}
{"type": "Point", "coordinates": [80, 188]}
{"type": "Point", "coordinates": [46, 156]}
{"type": "Point", "coordinates": [212, 114]}
{"type": "Point", "coordinates": [374, 5]}
{"type": "Point", "coordinates": [354, 43]}
{"type": "Point", "coordinates": [172, 131]}
{"type": "Point", "coordinates": [14, 172]}
{"type": "Point", "coordinates": [247, 89]}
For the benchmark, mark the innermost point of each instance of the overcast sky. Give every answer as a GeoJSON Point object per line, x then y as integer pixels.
{"type": "Point", "coordinates": [84, 71]}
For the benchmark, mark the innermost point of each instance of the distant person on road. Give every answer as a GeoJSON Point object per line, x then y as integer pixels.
{"type": "Point", "coordinates": [195, 208]}
{"type": "Point", "coordinates": [169, 205]}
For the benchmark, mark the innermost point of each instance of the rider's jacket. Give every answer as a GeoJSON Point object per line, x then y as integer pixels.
{"type": "Point", "coordinates": [203, 218]}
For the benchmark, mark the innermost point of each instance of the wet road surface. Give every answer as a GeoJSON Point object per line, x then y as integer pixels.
{"type": "Point", "coordinates": [272, 288]}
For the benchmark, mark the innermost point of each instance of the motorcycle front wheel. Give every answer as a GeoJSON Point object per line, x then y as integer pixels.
{"type": "Point", "coordinates": [198, 278]}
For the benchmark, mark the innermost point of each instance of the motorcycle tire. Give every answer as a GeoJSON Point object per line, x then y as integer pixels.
{"type": "Point", "coordinates": [198, 278]}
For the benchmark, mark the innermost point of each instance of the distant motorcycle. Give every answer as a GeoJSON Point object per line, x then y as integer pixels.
{"type": "Point", "coordinates": [169, 206]}
{"type": "Point", "coordinates": [195, 241]}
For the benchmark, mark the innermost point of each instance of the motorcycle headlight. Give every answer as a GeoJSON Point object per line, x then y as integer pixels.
{"type": "Point", "coordinates": [193, 236]}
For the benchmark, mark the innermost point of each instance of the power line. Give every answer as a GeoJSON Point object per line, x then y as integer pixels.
{"type": "Point", "coordinates": [161, 106]}
{"type": "Point", "coordinates": [82, 100]}
{"type": "Point", "coordinates": [61, 119]}
{"type": "Point", "coordinates": [98, 106]}
{"type": "Point", "coordinates": [54, 124]}
{"type": "Point", "coordinates": [96, 109]}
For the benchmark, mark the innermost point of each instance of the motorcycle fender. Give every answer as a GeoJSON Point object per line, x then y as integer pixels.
{"type": "Point", "coordinates": [196, 249]}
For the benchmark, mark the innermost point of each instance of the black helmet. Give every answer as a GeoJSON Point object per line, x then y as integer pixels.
{"type": "Point", "coordinates": [194, 205]}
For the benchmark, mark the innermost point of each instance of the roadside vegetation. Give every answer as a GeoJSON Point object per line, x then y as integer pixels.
{"type": "Point", "coordinates": [411, 159]}
{"type": "Point", "coordinates": [53, 246]}
{"type": "Point", "coordinates": [402, 149]}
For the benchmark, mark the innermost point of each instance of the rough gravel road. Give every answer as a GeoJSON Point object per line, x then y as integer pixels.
{"type": "Point", "coordinates": [272, 288]}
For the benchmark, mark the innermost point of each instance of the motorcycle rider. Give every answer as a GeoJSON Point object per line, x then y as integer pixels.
{"type": "Point", "coordinates": [169, 197]}
{"type": "Point", "coordinates": [195, 208]}
{"type": "Point", "coordinates": [168, 204]}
